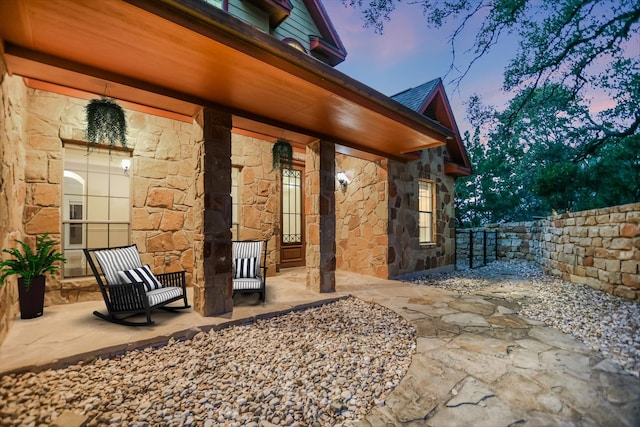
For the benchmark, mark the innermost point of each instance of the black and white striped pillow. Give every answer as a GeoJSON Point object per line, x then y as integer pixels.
{"type": "Point", "coordinates": [245, 268]}
{"type": "Point", "coordinates": [113, 260]}
{"type": "Point", "coordinates": [141, 275]}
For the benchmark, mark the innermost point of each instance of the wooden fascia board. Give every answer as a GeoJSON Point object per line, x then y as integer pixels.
{"type": "Point", "coordinates": [19, 53]}
{"type": "Point", "coordinates": [16, 53]}
{"type": "Point", "coordinates": [455, 146]}
{"type": "Point", "coordinates": [222, 27]}
{"type": "Point", "coordinates": [335, 56]}
{"type": "Point", "coordinates": [456, 170]}
{"type": "Point", "coordinates": [323, 22]}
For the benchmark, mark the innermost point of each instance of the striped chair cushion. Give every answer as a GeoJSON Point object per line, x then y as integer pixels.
{"type": "Point", "coordinates": [247, 251]}
{"type": "Point", "coordinates": [247, 284]}
{"type": "Point", "coordinates": [113, 260]}
{"type": "Point", "coordinates": [158, 296]}
{"type": "Point", "coordinates": [245, 268]}
{"type": "Point", "coordinates": [140, 275]}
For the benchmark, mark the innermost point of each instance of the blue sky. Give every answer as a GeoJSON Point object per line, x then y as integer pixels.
{"type": "Point", "coordinates": [409, 54]}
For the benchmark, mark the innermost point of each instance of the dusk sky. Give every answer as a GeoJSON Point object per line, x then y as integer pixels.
{"type": "Point", "coordinates": [409, 54]}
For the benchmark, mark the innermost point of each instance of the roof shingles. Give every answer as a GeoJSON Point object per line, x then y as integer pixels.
{"type": "Point", "coordinates": [414, 98]}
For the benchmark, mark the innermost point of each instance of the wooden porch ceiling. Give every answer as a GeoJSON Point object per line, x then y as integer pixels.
{"type": "Point", "coordinates": [180, 55]}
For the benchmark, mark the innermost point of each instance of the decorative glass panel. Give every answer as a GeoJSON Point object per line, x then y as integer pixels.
{"type": "Point", "coordinates": [291, 206]}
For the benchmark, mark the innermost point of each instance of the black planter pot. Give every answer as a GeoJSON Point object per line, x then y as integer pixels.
{"type": "Point", "coordinates": [32, 302]}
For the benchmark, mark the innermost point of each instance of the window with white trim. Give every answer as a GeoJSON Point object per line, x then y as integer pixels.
{"type": "Point", "coordinates": [426, 212]}
{"type": "Point", "coordinates": [235, 202]}
{"type": "Point", "coordinates": [96, 206]}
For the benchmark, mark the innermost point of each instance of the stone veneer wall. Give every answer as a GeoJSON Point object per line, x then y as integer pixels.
{"type": "Point", "coordinates": [361, 217]}
{"type": "Point", "coordinates": [599, 248]}
{"type": "Point", "coordinates": [13, 101]}
{"type": "Point", "coordinates": [164, 223]}
{"type": "Point", "coordinates": [406, 254]}
{"type": "Point", "coordinates": [259, 194]}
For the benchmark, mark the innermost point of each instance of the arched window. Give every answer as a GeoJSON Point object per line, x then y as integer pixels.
{"type": "Point", "coordinates": [295, 44]}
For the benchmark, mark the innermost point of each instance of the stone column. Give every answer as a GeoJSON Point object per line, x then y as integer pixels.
{"type": "Point", "coordinates": [320, 217]}
{"type": "Point", "coordinates": [213, 296]}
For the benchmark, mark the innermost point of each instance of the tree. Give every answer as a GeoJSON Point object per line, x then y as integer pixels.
{"type": "Point", "coordinates": [585, 46]}
{"type": "Point", "coordinates": [530, 167]}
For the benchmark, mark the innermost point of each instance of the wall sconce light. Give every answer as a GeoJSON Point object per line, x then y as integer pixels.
{"type": "Point", "coordinates": [126, 165]}
{"type": "Point", "coordinates": [343, 179]}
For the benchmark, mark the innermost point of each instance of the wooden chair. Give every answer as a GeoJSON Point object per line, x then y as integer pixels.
{"type": "Point", "coordinates": [129, 288]}
{"type": "Point", "coordinates": [250, 267]}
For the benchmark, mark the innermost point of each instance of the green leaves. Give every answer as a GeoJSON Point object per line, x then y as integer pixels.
{"type": "Point", "coordinates": [590, 47]}
{"type": "Point", "coordinates": [528, 161]}
{"type": "Point", "coordinates": [281, 154]}
{"type": "Point", "coordinates": [106, 122]}
{"type": "Point", "coordinates": [29, 264]}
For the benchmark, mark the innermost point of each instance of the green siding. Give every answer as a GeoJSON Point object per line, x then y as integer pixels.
{"type": "Point", "coordinates": [250, 14]}
{"type": "Point", "coordinates": [298, 26]}
{"type": "Point", "coordinates": [216, 3]}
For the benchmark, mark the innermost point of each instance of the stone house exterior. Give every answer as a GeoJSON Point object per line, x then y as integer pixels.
{"type": "Point", "coordinates": [219, 83]}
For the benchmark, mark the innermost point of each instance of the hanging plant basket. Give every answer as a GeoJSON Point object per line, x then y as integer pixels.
{"type": "Point", "coordinates": [106, 122]}
{"type": "Point", "coordinates": [282, 154]}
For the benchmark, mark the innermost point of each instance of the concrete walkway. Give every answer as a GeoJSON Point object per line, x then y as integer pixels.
{"type": "Point", "coordinates": [477, 362]}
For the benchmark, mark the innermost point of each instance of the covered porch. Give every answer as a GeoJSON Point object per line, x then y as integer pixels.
{"type": "Point", "coordinates": [194, 64]}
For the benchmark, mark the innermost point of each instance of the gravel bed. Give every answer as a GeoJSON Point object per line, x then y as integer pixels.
{"type": "Point", "coordinates": [328, 365]}
{"type": "Point", "coordinates": [608, 324]}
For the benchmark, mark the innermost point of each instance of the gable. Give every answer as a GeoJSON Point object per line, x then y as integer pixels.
{"type": "Point", "coordinates": [430, 100]}
{"type": "Point", "coordinates": [298, 25]}
{"type": "Point", "coordinates": [308, 24]}
{"type": "Point", "coordinates": [302, 24]}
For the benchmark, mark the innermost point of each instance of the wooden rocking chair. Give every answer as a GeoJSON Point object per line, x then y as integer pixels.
{"type": "Point", "coordinates": [129, 288]}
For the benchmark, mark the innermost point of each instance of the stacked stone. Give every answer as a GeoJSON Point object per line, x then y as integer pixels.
{"type": "Point", "coordinates": [324, 366]}
{"type": "Point", "coordinates": [599, 248]}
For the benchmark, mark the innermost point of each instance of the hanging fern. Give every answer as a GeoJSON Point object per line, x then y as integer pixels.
{"type": "Point", "coordinates": [282, 154]}
{"type": "Point", "coordinates": [106, 122]}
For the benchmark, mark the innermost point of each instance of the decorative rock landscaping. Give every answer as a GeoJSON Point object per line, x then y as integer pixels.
{"type": "Point", "coordinates": [323, 366]}
{"type": "Point", "coordinates": [462, 356]}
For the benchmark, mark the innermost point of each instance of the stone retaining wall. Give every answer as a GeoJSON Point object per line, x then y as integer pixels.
{"type": "Point", "coordinates": [599, 248]}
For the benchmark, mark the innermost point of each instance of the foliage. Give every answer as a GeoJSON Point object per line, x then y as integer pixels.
{"type": "Point", "coordinates": [586, 46]}
{"type": "Point", "coordinates": [531, 167]}
{"type": "Point", "coordinates": [282, 154]}
{"type": "Point", "coordinates": [106, 122]}
{"type": "Point", "coordinates": [29, 264]}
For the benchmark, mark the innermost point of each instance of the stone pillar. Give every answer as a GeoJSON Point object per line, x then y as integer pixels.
{"type": "Point", "coordinates": [321, 216]}
{"type": "Point", "coordinates": [213, 296]}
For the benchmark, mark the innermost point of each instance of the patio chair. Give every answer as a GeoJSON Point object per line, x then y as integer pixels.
{"type": "Point", "coordinates": [129, 288]}
{"type": "Point", "coordinates": [249, 257]}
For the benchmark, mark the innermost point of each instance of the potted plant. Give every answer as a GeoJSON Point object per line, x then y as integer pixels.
{"type": "Point", "coordinates": [30, 267]}
{"type": "Point", "coordinates": [282, 154]}
{"type": "Point", "coordinates": [106, 122]}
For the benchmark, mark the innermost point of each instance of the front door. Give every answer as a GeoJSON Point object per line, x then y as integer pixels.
{"type": "Point", "coordinates": [292, 244]}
